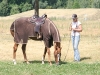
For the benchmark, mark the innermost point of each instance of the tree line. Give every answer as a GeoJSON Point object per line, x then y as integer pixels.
{"type": "Point", "coordinates": [10, 7]}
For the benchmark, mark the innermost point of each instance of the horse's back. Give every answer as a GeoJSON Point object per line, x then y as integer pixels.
{"type": "Point", "coordinates": [18, 21]}
{"type": "Point", "coordinates": [23, 29]}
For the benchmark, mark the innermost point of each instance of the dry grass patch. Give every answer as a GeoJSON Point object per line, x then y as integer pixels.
{"type": "Point", "coordinates": [90, 37]}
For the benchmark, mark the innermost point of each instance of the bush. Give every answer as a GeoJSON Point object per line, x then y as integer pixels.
{"type": "Point", "coordinates": [49, 7]}
{"type": "Point", "coordinates": [21, 6]}
{"type": "Point", "coordinates": [58, 4]}
{"type": "Point", "coordinates": [70, 4]}
{"type": "Point", "coordinates": [76, 5]}
{"type": "Point", "coordinates": [43, 5]}
{"type": "Point", "coordinates": [26, 7]}
{"type": "Point", "coordinates": [14, 10]}
{"type": "Point", "coordinates": [4, 8]}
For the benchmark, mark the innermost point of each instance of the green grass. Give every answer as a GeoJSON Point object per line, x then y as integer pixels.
{"type": "Point", "coordinates": [89, 48]}
{"type": "Point", "coordinates": [36, 68]}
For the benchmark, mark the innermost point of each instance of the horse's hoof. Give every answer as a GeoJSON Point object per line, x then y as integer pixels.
{"type": "Point", "coordinates": [15, 63]}
{"type": "Point", "coordinates": [57, 63]}
{"type": "Point", "coordinates": [27, 62]}
{"type": "Point", "coordinates": [50, 64]}
{"type": "Point", "coordinates": [42, 62]}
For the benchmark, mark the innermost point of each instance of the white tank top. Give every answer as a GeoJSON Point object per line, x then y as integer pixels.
{"type": "Point", "coordinates": [75, 25]}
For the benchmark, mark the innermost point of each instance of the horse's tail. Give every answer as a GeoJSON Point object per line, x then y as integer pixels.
{"type": "Point", "coordinates": [12, 28]}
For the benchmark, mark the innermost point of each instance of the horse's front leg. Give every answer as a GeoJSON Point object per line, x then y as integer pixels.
{"type": "Point", "coordinates": [24, 53]}
{"type": "Point", "coordinates": [45, 51]}
{"type": "Point", "coordinates": [57, 52]}
{"type": "Point", "coordinates": [55, 55]}
{"type": "Point", "coordinates": [14, 53]}
{"type": "Point", "coordinates": [43, 58]}
{"type": "Point", "coordinates": [49, 59]}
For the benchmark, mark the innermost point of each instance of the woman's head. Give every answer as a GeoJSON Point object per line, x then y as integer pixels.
{"type": "Point", "coordinates": [74, 17]}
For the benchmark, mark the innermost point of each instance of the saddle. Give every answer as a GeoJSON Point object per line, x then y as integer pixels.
{"type": "Point", "coordinates": [33, 19]}
{"type": "Point", "coordinates": [38, 21]}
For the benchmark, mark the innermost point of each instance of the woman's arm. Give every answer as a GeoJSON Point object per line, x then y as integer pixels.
{"type": "Point", "coordinates": [78, 29]}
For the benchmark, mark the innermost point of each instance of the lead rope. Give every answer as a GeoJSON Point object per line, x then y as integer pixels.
{"type": "Point", "coordinates": [69, 45]}
{"type": "Point", "coordinates": [68, 48]}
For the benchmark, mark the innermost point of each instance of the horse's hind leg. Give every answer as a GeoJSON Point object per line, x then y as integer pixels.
{"type": "Point", "coordinates": [43, 58]}
{"type": "Point", "coordinates": [14, 52]}
{"type": "Point", "coordinates": [24, 53]}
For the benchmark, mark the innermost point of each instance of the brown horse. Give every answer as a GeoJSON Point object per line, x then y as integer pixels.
{"type": "Point", "coordinates": [23, 28]}
{"type": "Point", "coordinates": [50, 33]}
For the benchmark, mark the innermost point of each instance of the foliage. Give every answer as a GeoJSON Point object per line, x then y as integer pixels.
{"type": "Point", "coordinates": [19, 6]}
{"type": "Point", "coordinates": [14, 10]}
{"type": "Point", "coordinates": [26, 7]}
{"type": "Point", "coordinates": [43, 5]}
{"type": "Point", "coordinates": [70, 4]}
{"type": "Point", "coordinates": [4, 8]}
{"type": "Point", "coordinates": [58, 4]}
{"type": "Point", "coordinates": [76, 5]}
{"type": "Point", "coordinates": [96, 3]}
{"type": "Point", "coordinates": [85, 3]}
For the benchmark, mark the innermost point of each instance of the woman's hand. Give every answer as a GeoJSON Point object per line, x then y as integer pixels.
{"type": "Point", "coordinates": [78, 29]}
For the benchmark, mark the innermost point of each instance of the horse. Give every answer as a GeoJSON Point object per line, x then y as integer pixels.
{"type": "Point", "coordinates": [51, 34]}
{"type": "Point", "coordinates": [23, 28]}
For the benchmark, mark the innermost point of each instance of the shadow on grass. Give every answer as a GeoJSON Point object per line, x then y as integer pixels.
{"type": "Point", "coordinates": [37, 61]}
{"type": "Point", "coordinates": [53, 62]}
{"type": "Point", "coordinates": [85, 58]}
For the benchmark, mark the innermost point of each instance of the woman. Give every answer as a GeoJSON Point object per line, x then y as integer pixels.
{"type": "Point", "coordinates": [75, 29]}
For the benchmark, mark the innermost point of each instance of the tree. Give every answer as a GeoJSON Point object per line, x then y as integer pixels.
{"type": "Point", "coordinates": [96, 4]}
{"type": "Point", "coordinates": [4, 8]}
{"type": "Point", "coordinates": [0, 0]}
{"type": "Point", "coordinates": [76, 5]}
{"type": "Point", "coordinates": [36, 6]}
{"type": "Point", "coordinates": [70, 4]}
{"type": "Point", "coordinates": [85, 3]}
{"type": "Point", "coordinates": [14, 10]}
{"type": "Point", "coordinates": [58, 4]}
{"type": "Point", "coordinates": [43, 5]}
{"type": "Point", "coordinates": [64, 3]}
{"type": "Point", "coordinates": [26, 7]}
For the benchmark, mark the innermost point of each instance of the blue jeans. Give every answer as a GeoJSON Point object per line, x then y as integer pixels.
{"type": "Point", "coordinates": [75, 42]}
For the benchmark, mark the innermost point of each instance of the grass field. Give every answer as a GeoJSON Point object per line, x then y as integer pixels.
{"type": "Point", "coordinates": [89, 45]}
{"type": "Point", "coordinates": [35, 68]}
